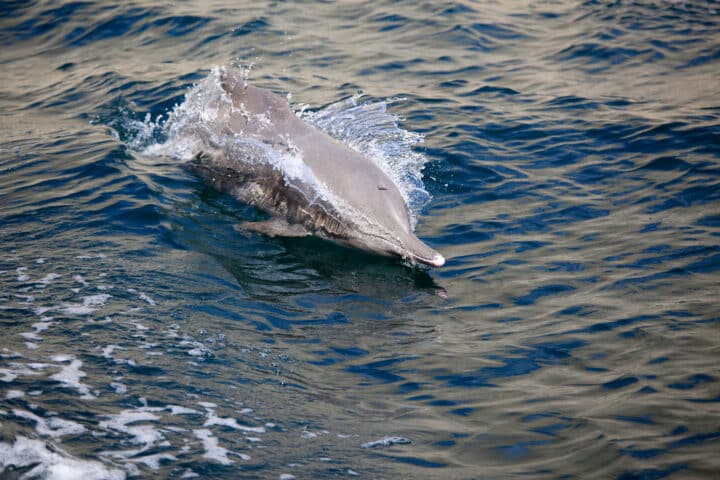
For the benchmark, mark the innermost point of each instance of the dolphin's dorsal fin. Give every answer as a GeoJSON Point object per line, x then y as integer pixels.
{"type": "Point", "coordinates": [275, 227]}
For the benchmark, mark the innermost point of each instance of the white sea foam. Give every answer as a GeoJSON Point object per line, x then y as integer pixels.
{"type": "Point", "coordinates": [231, 423]}
{"type": "Point", "coordinates": [147, 299]}
{"type": "Point", "coordinates": [180, 410]}
{"type": "Point", "coordinates": [89, 304]}
{"type": "Point", "coordinates": [213, 419]}
{"type": "Point", "coordinates": [213, 451]}
{"type": "Point", "coordinates": [51, 427]}
{"type": "Point", "coordinates": [43, 325]}
{"type": "Point", "coordinates": [14, 394]}
{"type": "Point", "coordinates": [108, 350]}
{"type": "Point", "coordinates": [21, 275]}
{"type": "Point", "coordinates": [199, 349]}
{"type": "Point", "coordinates": [48, 279]}
{"type": "Point", "coordinates": [153, 461]}
{"type": "Point", "coordinates": [386, 442]}
{"type": "Point", "coordinates": [27, 298]}
{"type": "Point", "coordinates": [41, 462]}
{"type": "Point", "coordinates": [70, 375]}
{"type": "Point", "coordinates": [139, 326]}
{"type": "Point", "coordinates": [144, 434]}
{"type": "Point", "coordinates": [120, 388]}
{"type": "Point", "coordinates": [91, 257]}
{"type": "Point", "coordinates": [19, 369]}
{"type": "Point", "coordinates": [306, 434]}
{"type": "Point", "coordinates": [5, 353]}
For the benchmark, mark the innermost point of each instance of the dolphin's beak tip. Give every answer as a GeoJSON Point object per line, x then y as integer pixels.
{"type": "Point", "coordinates": [438, 260]}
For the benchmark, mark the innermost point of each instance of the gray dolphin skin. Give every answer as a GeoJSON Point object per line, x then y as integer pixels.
{"type": "Point", "coordinates": [364, 208]}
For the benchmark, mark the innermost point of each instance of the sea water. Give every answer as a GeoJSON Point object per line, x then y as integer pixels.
{"type": "Point", "coordinates": [569, 157]}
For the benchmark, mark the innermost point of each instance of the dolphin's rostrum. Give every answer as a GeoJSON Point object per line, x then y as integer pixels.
{"type": "Point", "coordinates": [350, 200]}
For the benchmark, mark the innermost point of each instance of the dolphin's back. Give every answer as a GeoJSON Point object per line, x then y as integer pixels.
{"type": "Point", "coordinates": [345, 172]}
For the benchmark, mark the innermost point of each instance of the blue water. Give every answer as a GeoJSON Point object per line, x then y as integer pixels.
{"type": "Point", "coordinates": [573, 164]}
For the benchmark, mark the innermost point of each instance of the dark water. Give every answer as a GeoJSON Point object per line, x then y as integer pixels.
{"type": "Point", "coordinates": [573, 161]}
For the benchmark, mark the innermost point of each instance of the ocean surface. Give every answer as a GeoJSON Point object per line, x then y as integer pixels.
{"type": "Point", "coordinates": [564, 156]}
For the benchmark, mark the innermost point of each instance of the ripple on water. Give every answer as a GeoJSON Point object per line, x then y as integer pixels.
{"type": "Point", "coordinates": [570, 151]}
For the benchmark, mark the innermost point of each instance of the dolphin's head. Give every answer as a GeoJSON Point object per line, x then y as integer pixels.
{"type": "Point", "coordinates": [406, 246]}
{"type": "Point", "coordinates": [380, 218]}
{"type": "Point", "coordinates": [416, 250]}
{"type": "Point", "coordinates": [252, 99]}
{"type": "Point", "coordinates": [390, 234]}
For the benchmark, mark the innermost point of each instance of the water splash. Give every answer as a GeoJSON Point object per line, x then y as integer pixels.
{"type": "Point", "coordinates": [368, 128]}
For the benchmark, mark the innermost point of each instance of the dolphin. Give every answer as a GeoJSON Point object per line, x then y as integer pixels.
{"type": "Point", "coordinates": [351, 201]}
